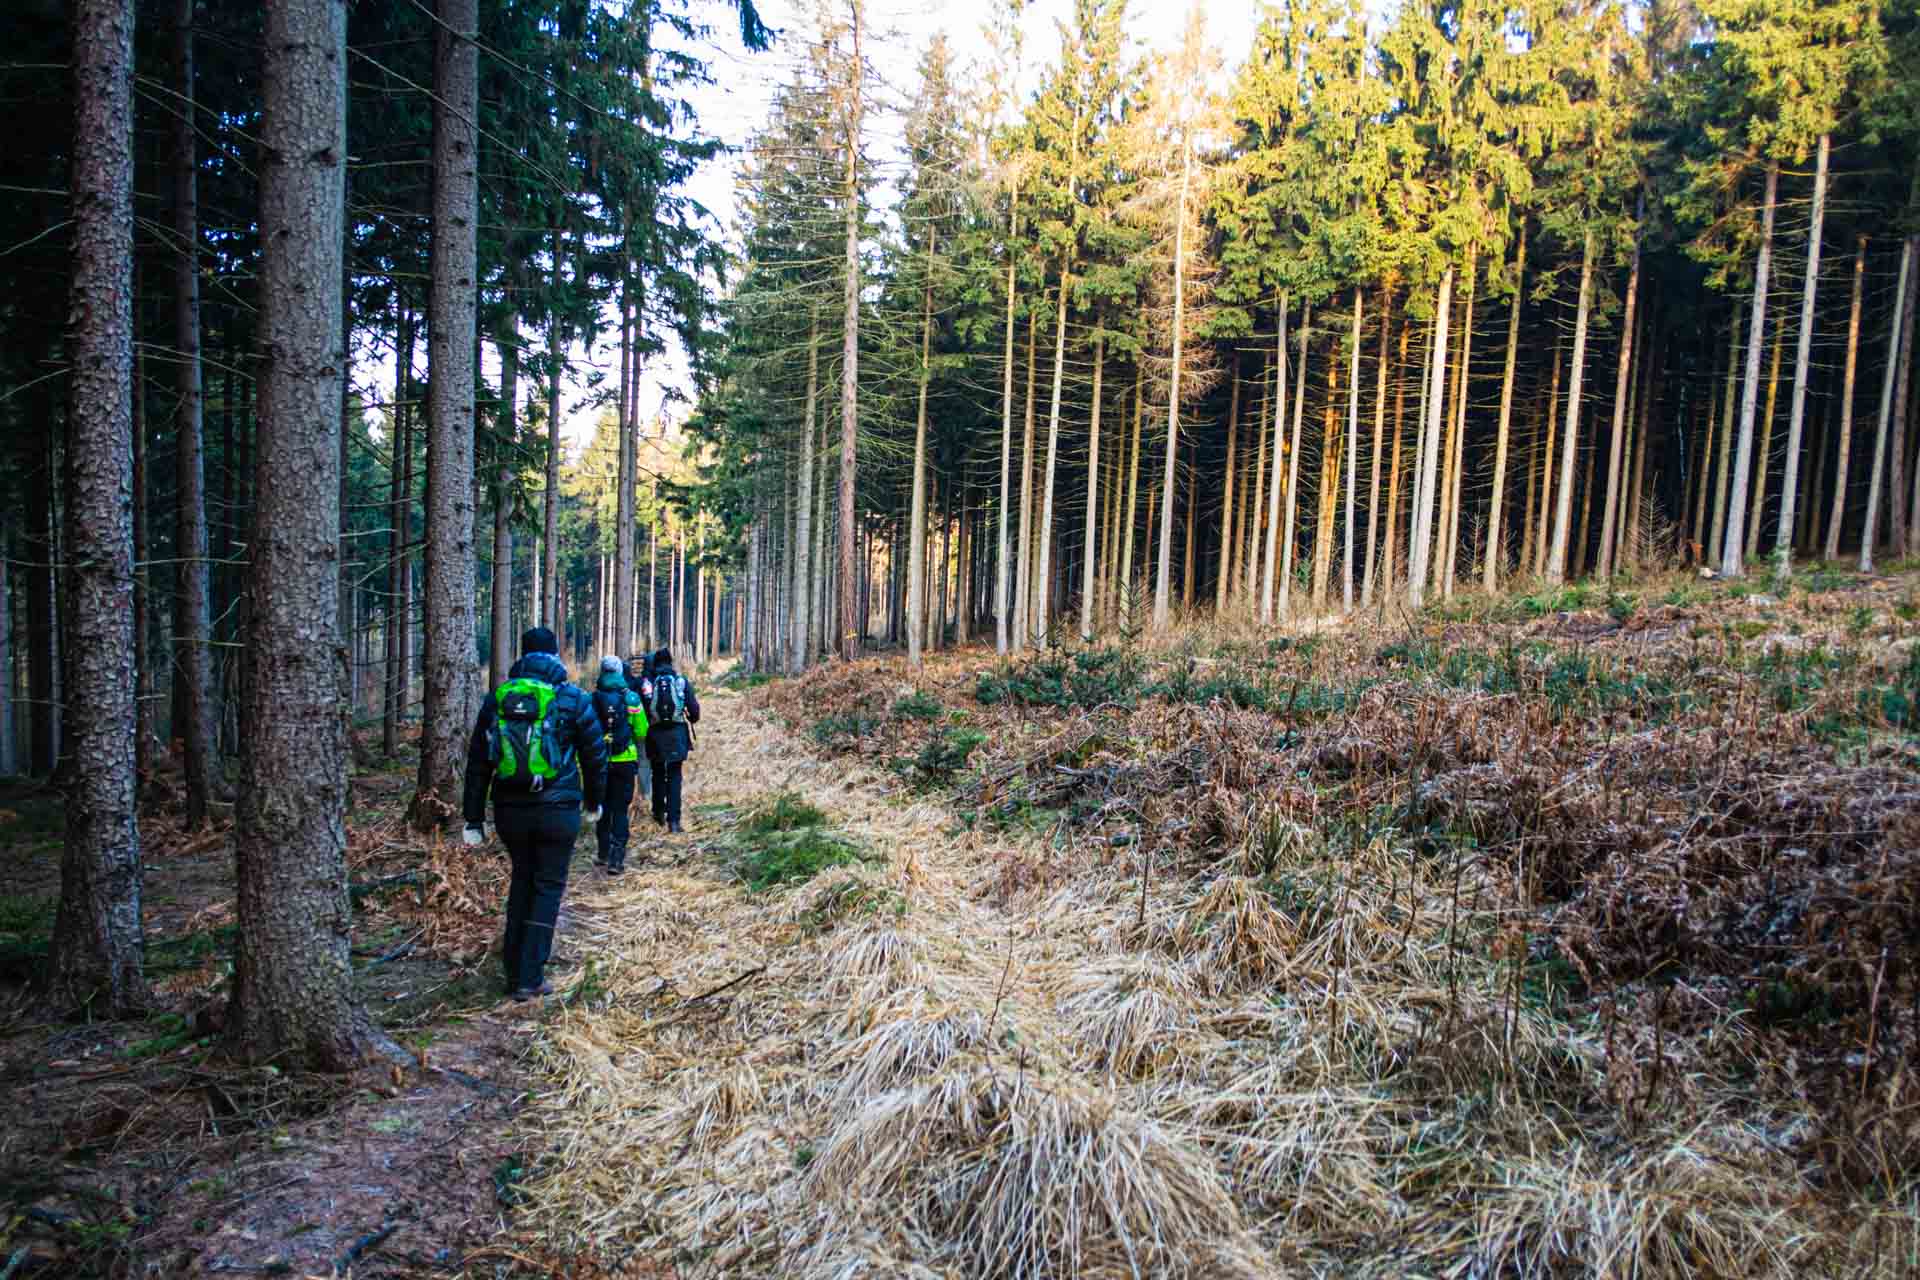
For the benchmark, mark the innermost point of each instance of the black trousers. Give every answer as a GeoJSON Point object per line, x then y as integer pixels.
{"type": "Point", "coordinates": [539, 840]}
{"type": "Point", "coordinates": [666, 791]}
{"type": "Point", "coordinates": [610, 833]}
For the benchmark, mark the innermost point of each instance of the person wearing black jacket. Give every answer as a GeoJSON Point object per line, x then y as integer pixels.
{"type": "Point", "coordinates": [669, 735]}
{"type": "Point", "coordinates": [540, 824]}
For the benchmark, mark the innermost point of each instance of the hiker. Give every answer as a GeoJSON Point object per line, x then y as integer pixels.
{"type": "Point", "coordinates": [672, 709]}
{"type": "Point", "coordinates": [624, 721]}
{"type": "Point", "coordinates": [639, 673]}
{"type": "Point", "coordinates": [539, 747]}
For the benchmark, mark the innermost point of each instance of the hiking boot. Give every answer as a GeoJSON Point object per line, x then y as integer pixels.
{"type": "Point", "coordinates": [673, 828]}
{"type": "Point", "coordinates": [525, 994]}
{"type": "Point", "coordinates": [616, 871]}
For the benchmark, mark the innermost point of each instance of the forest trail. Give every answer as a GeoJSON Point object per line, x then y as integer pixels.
{"type": "Point", "coordinates": [717, 1084]}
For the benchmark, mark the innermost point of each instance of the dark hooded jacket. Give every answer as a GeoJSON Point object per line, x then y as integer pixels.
{"type": "Point", "coordinates": [668, 743]}
{"type": "Point", "coordinates": [584, 782]}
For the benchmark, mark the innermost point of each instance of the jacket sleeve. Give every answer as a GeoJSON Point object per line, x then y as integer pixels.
{"type": "Point", "coordinates": [693, 705]}
{"type": "Point", "coordinates": [590, 746]}
{"type": "Point", "coordinates": [473, 794]}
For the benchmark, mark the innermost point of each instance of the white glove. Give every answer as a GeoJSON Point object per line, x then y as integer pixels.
{"type": "Point", "coordinates": [473, 836]}
{"type": "Point", "coordinates": [591, 815]}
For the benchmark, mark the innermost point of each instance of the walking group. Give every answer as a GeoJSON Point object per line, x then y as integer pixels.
{"type": "Point", "coordinates": [552, 755]}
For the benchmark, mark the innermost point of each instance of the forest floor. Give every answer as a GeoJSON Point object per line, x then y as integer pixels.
{"type": "Point", "coordinates": [1572, 934]}
{"type": "Point", "coordinates": [1567, 935]}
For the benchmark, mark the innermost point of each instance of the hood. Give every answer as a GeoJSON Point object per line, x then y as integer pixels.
{"type": "Point", "coordinates": [540, 666]}
{"type": "Point", "coordinates": [611, 682]}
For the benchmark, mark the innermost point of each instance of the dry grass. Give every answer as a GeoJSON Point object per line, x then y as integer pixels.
{"type": "Point", "coordinates": [1505, 970]}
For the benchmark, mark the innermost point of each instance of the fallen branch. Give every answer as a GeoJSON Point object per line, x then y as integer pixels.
{"type": "Point", "coordinates": [370, 1241]}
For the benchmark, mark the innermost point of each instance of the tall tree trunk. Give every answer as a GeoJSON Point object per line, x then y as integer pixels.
{"type": "Point", "coordinates": [1703, 478]}
{"type": "Point", "coordinates": [1653, 361]}
{"type": "Point", "coordinates": [1221, 587]}
{"type": "Point", "coordinates": [1887, 429]}
{"type": "Point", "coordinates": [1570, 441]}
{"type": "Point", "coordinates": [549, 604]}
{"type": "Point", "coordinates": [1287, 527]}
{"type": "Point", "coordinates": [1390, 554]}
{"type": "Point", "coordinates": [627, 464]}
{"type": "Point", "coordinates": [399, 520]}
{"type": "Point", "coordinates": [917, 535]}
{"type": "Point", "coordinates": [1001, 605]}
{"type": "Point", "coordinates": [1133, 501]}
{"type": "Point", "coordinates": [293, 983]}
{"type": "Point", "coordinates": [1548, 487]}
{"type": "Point", "coordinates": [1425, 473]}
{"type": "Point", "coordinates": [1616, 441]}
{"type": "Point", "coordinates": [1723, 472]}
{"type": "Point", "coordinates": [1023, 566]}
{"type": "Point", "coordinates": [192, 609]}
{"type": "Point", "coordinates": [1162, 594]}
{"type": "Point", "coordinates": [1903, 536]}
{"type": "Point", "coordinates": [1490, 570]}
{"type": "Point", "coordinates": [1765, 456]}
{"type": "Point", "coordinates": [1732, 563]}
{"type": "Point", "coordinates": [802, 598]}
{"type": "Point", "coordinates": [1448, 540]}
{"type": "Point", "coordinates": [1581, 545]}
{"type": "Point", "coordinates": [1353, 452]}
{"type": "Point", "coordinates": [1327, 496]}
{"type": "Point", "coordinates": [1187, 568]}
{"type": "Point", "coordinates": [1535, 451]}
{"type": "Point", "coordinates": [94, 960]}
{"type": "Point", "coordinates": [506, 428]}
{"type": "Point", "coordinates": [1281, 453]}
{"type": "Point", "coordinates": [851, 626]}
{"type": "Point", "coordinates": [1093, 495]}
{"type": "Point", "coordinates": [449, 632]}
{"type": "Point", "coordinates": [1379, 441]}
{"type": "Point", "coordinates": [1044, 571]}
{"type": "Point", "coordinates": [1803, 351]}
{"type": "Point", "coordinates": [1254, 543]}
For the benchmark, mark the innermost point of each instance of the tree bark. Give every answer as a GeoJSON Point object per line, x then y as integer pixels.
{"type": "Point", "coordinates": [1723, 472]}
{"type": "Point", "coordinates": [1541, 534]}
{"type": "Point", "coordinates": [1043, 572]}
{"type": "Point", "coordinates": [94, 961]}
{"type": "Point", "coordinates": [549, 605]}
{"type": "Point", "coordinates": [1490, 570]}
{"type": "Point", "coordinates": [506, 428]}
{"type": "Point", "coordinates": [192, 605]}
{"type": "Point", "coordinates": [292, 993]}
{"type": "Point", "coordinates": [446, 713]}
{"type": "Point", "coordinates": [1617, 440]}
{"type": "Point", "coordinates": [1732, 563]}
{"type": "Point", "coordinates": [1001, 610]}
{"type": "Point", "coordinates": [1391, 552]}
{"type": "Point", "coordinates": [1283, 452]}
{"type": "Point", "coordinates": [1425, 476]}
{"type": "Point", "coordinates": [851, 626]}
{"type": "Point", "coordinates": [917, 534]}
{"type": "Point", "coordinates": [799, 654]}
{"type": "Point", "coordinates": [1023, 563]}
{"type": "Point", "coordinates": [1887, 428]}
{"type": "Point", "coordinates": [1162, 593]}
{"type": "Point", "coordinates": [1803, 351]}
{"type": "Point", "coordinates": [1569, 443]}
{"type": "Point", "coordinates": [1379, 442]}
{"type": "Point", "coordinates": [1447, 550]}
{"type": "Point", "coordinates": [1133, 503]}
{"type": "Point", "coordinates": [1764, 457]}
{"type": "Point", "coordinates": [628, 460]}
{"type": "Point", "coordinates": [1353, 452]}
{"type": "Point", "coordinates": [400, 521]}
{"type": "Point", "coordinates": [1093, 496]}
{"type": "Point", "coordinates": [1222, 586]}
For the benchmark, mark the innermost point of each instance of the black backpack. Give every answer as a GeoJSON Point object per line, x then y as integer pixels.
{"type": "Point", "coordinates": [611, 708]}
{"type": "Point", "coordinates": [528, 746]}
{"type": "Point", "coordinates": [669, 699]}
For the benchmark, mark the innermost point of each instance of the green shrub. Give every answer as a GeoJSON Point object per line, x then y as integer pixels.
{"type": "Point", "coordinates": [918, 705]}
{"type": "Point", "coordinates": [833, 730]}
{"type": "Point", "coordinates": [786, 812]}
{"type": "Point", "coordinates": [947, 752]}
{"type": "Point", "coordinates": [774, 858]}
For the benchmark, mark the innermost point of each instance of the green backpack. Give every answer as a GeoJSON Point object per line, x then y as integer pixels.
{"type": "Point", "coordinates": [527, 745]}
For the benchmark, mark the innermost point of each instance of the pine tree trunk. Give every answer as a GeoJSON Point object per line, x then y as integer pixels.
{"type": "Point", "coordinates": [1653, 361]}
{"type": "Point", "coordinates": [1222, 585]}
{"type": "Point", "coordinates": [1390, 552]}
{"type": "Point", "coordinates": [1252, 555]}
{"type": "Point", "coordinates": [1044, 570]}
{"type": "Point", "coordinates": [1902, 535]}
{"type": "Point", "coordinates": [851, 625]}
{"type": "Point", "coordinates": [399, 520]}
{"type": "Point", "coordinates": [1133, 503]}
{"type": "Point", "coordinates": [627, 461]}
{"type": "Point", "coordinates": [1490, 570]}
{"type": "Point", "coordinates": [1616, 442]}
{"type": "Point", "coordinates": [1093, 496]}
{"type": "Point", "coordinates": [1764, 459]}
{"type": "Point", "coordinates": [1723, 473]}
{"type": "Point", "coordinates": [1532, 469]}
{"type": "Point", "coordinates": [192, 608]}
{"type": "Point", "coordinates": [1703, 480]}
{"type": "Point", "coordinates": [1379, 441]}
{"type": "Point", "coordinates": [1732, 564]}
{"type": "Point", "coordinates": [1447, 552]}
{"type": "Point", "coordinates": [1328, 495]}
{"type": "Point", "coordinates": [549, 604]}
{"type": "Point", "coordinates": [1023, 567]}
{"type": "Point", "coordinates": [1001, 605]}
{"type": "Point", "coordinates": [802, 597]}
{"type": "Point", "coordinates": [1424, 475]}
{"type": "Point", "coordinates": [1162, 594]}
{"type": "Point", "coordinates": [292, 997]}
{"type": "Point", "coordinates": [1187, 568]}
{"type": "Point", "coordinates": [506, 427]}
{"type": "Point", "coordinates": [917, 535]}
{"type": "Point", "coordinates": [1582, 547]}
{"type": "Point", "coordinates": [1790, 484]}
{"type": "Point", "coordinates": [446, 714]}
{"type": "Point", "coordinates": [1569, 444]}
{"type": "Point", "coordinates": [1353, 453]}
{"type": "Point", "coordinates": [1542, 533]}
{"type": "Point", "coordinates": [1281, 452]}
{"type": "Point", "coordinates": [94, 959]}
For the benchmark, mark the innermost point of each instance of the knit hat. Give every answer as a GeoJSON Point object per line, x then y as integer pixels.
{"type": "Point", "coordinates": [539, 640]}
{"type": "Point", "coordinates": [612, 665]}
{"type": "Point", "coordinates": [662, 657]}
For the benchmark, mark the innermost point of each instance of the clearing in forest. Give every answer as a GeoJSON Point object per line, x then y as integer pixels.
{"type": "Point", "coordinates": [1559, 937]}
